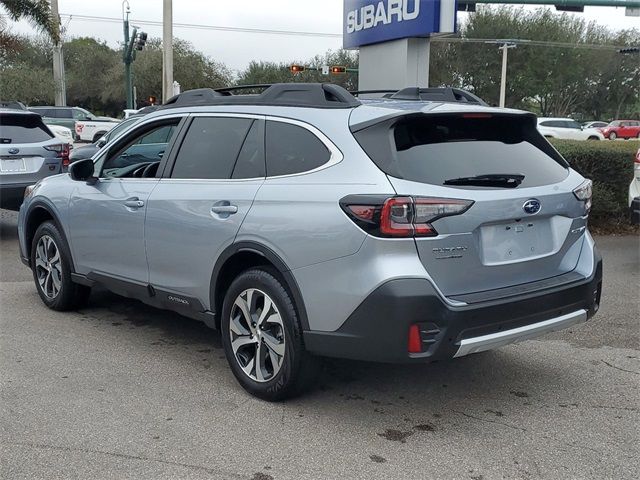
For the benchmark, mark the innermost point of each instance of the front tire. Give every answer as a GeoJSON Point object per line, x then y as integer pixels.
{"type": "Point", "coordinates": [51, 266]}
{"type": "Point", "coordinates": [613, 136]}
{"type": "Point", "coordinates": [262, 337]}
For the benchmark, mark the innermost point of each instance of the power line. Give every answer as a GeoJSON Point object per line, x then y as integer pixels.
{"type": "Point", "coordinates": [94, 18]}
{"type": "Point", "coordinates": [537, 43]}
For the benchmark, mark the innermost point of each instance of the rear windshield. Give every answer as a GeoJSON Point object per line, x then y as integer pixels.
{"type": "Point", "coordinates": [22, 129]}
{"type": "Point", "coordinates": [435, 149]}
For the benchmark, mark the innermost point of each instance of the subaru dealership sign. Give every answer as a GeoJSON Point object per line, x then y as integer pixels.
{"type": "Point", "coordinates": [374, 21]}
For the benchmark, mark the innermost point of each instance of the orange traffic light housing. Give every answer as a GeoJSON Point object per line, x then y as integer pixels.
{"type": "Point", "coordinates": [297, 68]}
{"type": "Point", "coordinates": [338, 69]}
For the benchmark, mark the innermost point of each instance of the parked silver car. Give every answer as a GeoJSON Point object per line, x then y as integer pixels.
{"type": "Point", "coordinates": [303, 222]}
{"type": "Point", "coordinates": [29, 152]}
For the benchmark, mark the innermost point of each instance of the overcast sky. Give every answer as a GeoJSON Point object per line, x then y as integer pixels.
{"type": "Point", "coordinates": [235, 49]}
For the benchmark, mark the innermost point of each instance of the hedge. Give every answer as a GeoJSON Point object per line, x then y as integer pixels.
{"type": "Point", "coordinates": [610, 165]}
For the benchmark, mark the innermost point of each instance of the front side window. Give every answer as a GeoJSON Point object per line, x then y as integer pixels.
{"type": "Point", "coordinates": [140, 154]}
{"type": "Point", "coordinates": [78, 114]}
{"type": "Point", "coordinates": [211, 147]}
{"type": "Point", "coordinates": [293, 149]}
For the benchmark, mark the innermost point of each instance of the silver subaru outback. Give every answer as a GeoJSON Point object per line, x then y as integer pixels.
{"type": "Point", "coordinates": [29, 151]}
{"type": "Point", "coordinates": [303, 222]}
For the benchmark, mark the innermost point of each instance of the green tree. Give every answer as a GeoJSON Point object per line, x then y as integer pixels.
{"type": "Point", "coordinates": [270, 72]}
{"type": "Point", "coordinates": [554, 81]}
{"type": "Point", "coordinates": [36, 12]}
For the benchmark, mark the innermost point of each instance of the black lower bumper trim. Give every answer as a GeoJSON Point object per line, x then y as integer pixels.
{"type": "Point", "coordinates": [378, 329]}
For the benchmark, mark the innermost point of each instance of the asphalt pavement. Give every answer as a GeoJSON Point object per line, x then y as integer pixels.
{"type": "Point", "coordinates": [120, 390]}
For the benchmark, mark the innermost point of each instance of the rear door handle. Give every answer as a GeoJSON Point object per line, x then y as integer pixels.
{"type": "Point", "coordinates": [134, 203]}
{"type": "Point", "coordinates": [229, 209]}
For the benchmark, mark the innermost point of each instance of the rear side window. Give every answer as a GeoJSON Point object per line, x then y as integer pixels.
{"type": "Point", "coordinates": [293, 149]}
{"type": "Point", "coordinates": [438, 149]}
{"type": "Point", "coordinates": [23, 129]}
{"type": "Point", "coordinates": [210, 147]}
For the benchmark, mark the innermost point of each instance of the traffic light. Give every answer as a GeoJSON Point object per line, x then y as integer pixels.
{"type": "Point", "coordinates": [297, 68]}
{"type": "Point", "coordinates": [152, 100]}
{"type": "Point", "coordinates": [336, 69]}
{"type": "Point", "coordinates": [141, 40]}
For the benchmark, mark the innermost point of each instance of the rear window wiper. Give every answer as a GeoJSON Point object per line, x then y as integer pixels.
{"type": "Point", "coordinates": [503, 180]}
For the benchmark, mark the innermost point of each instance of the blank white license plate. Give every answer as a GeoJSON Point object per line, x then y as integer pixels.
{"type": "Point", "coordinates": [516, 241]}
{"type": "Point", "coordinates": [11, 165]}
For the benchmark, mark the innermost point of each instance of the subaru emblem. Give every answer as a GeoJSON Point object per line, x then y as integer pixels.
{"type": "Point", "coordinates": [13, 151]}
{"type": "Point", "coordinates": [532, 206]}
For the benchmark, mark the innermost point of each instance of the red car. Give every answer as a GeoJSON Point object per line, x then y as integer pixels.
{"type": "Point", "coordinates": [622, 129]}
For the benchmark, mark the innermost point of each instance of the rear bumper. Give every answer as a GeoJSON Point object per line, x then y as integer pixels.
{"type": "Point", "coordinates": [378, 329]}
{"type": "Point", "coordinates": [11, 195]}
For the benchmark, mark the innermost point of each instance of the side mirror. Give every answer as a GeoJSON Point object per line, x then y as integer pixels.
{"type": "Point", "coordinates": [101, 143]}
{"type": "Point", "coordinates": [82, 171]}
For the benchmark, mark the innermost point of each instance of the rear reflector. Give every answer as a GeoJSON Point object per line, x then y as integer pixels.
{"type": "Point", "coordinates": [400, 217]}
{"type": "Point", "coordinates": [415, 342]}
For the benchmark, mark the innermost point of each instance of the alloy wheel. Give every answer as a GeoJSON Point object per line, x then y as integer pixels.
{"type": "Point", "coordinates": [48, 267]}
{"type": "Point", "coordinates": [257, 335]}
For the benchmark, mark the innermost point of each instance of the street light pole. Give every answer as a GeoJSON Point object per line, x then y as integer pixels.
{"type": "Point", "coordinates": [167, 50]}
{"type": "Point", "coordinates": [503, 80]}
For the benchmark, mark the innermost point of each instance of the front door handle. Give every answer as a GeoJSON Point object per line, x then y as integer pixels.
{"type": "Point", "coordinates": [228, 209]}
{"type": "Point", "coordinates": [134, 203]}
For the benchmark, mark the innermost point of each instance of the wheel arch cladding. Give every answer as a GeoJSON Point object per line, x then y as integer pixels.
{"type": "Point", "coordinates": [244, 255]}
{"type": "Point", "coordinates": [39, 213]}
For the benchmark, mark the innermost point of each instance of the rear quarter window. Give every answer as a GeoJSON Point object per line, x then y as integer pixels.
{"type": "Point", "coordinates": [293, 149]}
{"type": "Point", "coordinates": [23, 129]}
{"type": "Point", "coordinates": [434, 149]}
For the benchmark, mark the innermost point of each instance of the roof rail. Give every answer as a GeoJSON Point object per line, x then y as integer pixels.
{"type": "Point", "coordinates": [312, 95]}
{"type": "Point", "coordinates": [444, 94]}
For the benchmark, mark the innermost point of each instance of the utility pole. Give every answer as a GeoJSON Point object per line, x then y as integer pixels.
{"type": "Point", "coordinates": [503, 80]}
{"type": "Point", "coordinates": [58, 60]}
{"type": "Point", "coordinates": [167, 50]}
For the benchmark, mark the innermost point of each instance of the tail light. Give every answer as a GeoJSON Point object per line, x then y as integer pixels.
{"type": "Point", "coordinates": [399, 217]}
{"type": "Point", "coordinates": [583, 193]}
{"type": "Point", "coordinates": [62, 151]}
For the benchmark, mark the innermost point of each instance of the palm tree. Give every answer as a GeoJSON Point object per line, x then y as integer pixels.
{"type": "Point", "coordinates": [36, 12]}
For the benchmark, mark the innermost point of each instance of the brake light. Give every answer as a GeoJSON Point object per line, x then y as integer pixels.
{"type": "Point", "coordinates": [62, 151]}
{"type": "Point", "coordinates": [583, 193]}
{"type": "Point", "coordinates": [400, 217]}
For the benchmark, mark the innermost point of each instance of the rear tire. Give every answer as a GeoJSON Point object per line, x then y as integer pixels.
{"type": "Point", "coordinates": [51, 266]}
{"type": "Point", "coordinates": [262, 337]}
{"type": "Point", "coordinates": [613, 136]}
{"type": "Point", "coordinates": [593, 138]}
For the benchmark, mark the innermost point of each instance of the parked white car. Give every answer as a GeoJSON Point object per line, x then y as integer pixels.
{"type": "Point", "coordinates": [567, 129]}
{"type": "Point", "coordinates": [634, 191]}
{"type": "Point", "coordinates": [92, 131]}
{"type": "Point", "coordinates": [596, 124]}
{"type": "Point", "coordinates": [63, 133]}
